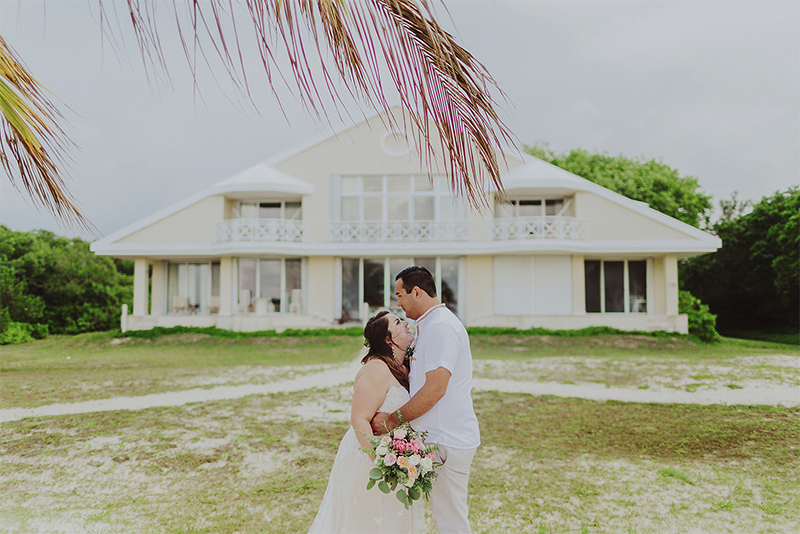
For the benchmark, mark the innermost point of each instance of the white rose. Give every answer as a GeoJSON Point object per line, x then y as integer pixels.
{"type": "Point", "coordinates": [414, 459]}
{"type": "Point", "coordinates": [382, 450]}
{"type": "Point", "coordinates": [426, 464]}
{"type": "Point", "coordinates": [399, 433]}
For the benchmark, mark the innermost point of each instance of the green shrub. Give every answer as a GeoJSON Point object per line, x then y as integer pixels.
{"type": "Point", "coordinates": [16, 333]}
{"type": "Point", "coordinates": [702, 323]}
{"type": "Point", "coordinates": [5, 319]}
{"type": "Point", "coordinates": [40, 331]}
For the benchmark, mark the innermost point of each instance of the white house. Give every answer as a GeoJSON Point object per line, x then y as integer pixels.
{"type": "Point", "coordinates": [313, 236]}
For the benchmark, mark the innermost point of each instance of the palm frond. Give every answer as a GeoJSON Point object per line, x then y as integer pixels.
{"type": "Point", "coordinates": [33, 144]}
{"type": "Point", "coordinates": [437, 80]}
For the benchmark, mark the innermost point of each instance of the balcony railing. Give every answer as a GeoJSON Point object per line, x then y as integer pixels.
{"type": "Point", "coordinates": [259, 230]}
{"type": "Point", "coordinates": [398, 231]}
{"type": "Point", "coordinates": [540, 228]}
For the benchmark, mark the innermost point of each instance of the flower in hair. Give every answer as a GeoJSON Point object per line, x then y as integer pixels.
{"type": "Point", "coordinates": [366, 343]}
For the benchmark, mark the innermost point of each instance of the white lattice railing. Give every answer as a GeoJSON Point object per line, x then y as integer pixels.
{"type": "Point", "coordinates": [540, 228]}
{"type": "Point", "coordinates": [259, 230]}
{"type": "Point", "coordinates": [398, 231]}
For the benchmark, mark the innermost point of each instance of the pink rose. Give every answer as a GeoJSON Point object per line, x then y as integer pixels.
{"type": "Point", "coordinates": [399, 445]}
{"type": "Point", "coordinates": [416, 445]}
{"type": "Point", "coordinates": [429, 455]}
{"type": "Point", "coordinates": [389, 459]}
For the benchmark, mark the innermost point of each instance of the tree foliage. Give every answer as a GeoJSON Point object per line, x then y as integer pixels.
{"type": "Point", "coordinates": [58, 282]}
{"type": "Point", "coordinates": [653, 182]}
{"type": "Point", "coordinates": [753, 281]}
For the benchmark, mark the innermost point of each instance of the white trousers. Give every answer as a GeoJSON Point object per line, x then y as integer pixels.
{"type": "Point", "coordinates": [449, 495]}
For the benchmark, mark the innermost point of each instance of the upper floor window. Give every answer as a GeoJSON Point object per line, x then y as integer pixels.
{"type": "Point", "coordinates": [532, 207]}
{"type": "Point", "coordinates": [398, 198]}
{"type": "Point", "coordinates": [289, 210]}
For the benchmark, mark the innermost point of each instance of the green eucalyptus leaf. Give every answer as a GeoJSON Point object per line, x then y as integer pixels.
{"type": "Point", "coordinates": [375, 474]}
{"type": "Point", "coordinates": [383, 486]}
{"type": "Point", "coordinates": [370, 484]}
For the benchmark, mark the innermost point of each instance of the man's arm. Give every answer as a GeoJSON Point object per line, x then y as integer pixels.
{"type": "Point", "coordinates": [434, 389]}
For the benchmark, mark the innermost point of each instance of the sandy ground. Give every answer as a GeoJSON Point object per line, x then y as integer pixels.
{"type": "Point", "coordinates": [759, 380]}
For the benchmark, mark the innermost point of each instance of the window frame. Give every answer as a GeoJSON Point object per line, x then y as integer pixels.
{"type": "Point", "coordinates": [649, 289]}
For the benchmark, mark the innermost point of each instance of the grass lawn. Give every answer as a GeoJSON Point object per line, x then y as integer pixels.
{"type": "Point", "coordinates": [546, 465]}
{"type": "Point", "coordinates": [260, 463]}
{"type": "Point", "coordinates": [96, 366]}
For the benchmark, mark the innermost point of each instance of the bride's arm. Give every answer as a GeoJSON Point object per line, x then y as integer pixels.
{"type": "Point", "coordinates": [369, 391]}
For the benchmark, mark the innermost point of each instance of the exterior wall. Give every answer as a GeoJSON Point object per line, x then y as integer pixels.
{"type": "Point", "coordinates": [671, 279]}
{"type": "Point", "coordinates": [194, 224]}
{"type": "Point", "coordinates": [479, 290]}
{"type": "Point", "coordinates": [644, 322]}
{"type": "Point", "coordinates": [237, 323]}
{"type": "Point", "coordinates": [355, 151]}
{"type": "Point", "coordinates": [320, 292]}
{"type": "Point", "coordinates": [140, 283]}
{"type": "Point", "coordinates": [159, 280]}
{"type": "Point", "coordinates": [226, 289]}
{"type": "Point", "coordinates": [578, 285]}
{"type": "Point", "coordinates": [608, 220]}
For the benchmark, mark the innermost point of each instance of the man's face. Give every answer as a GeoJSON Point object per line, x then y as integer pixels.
{"type": "Point", "coordinates": [406, 301]}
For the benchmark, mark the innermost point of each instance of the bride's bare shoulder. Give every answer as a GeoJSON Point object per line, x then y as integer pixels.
{"type": "Point", "coordinates": [374, 369]}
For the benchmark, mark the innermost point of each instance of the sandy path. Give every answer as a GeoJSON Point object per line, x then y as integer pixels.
{"type": "Point", "coordinates": [762, 394]}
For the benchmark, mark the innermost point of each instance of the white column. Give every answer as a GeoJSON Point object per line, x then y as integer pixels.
{"type": "Point", "coordinates": [671, 282]}
{"type": "Point", "coordinates": [225, 286]}
{"type": "Point", "coordinates": [578, 285]}
{"type": "Point", "coordinates": [157, 300]}
{"type": "Point", "coordinates": [140, 282]}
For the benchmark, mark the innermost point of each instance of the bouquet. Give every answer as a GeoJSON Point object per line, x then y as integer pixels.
{"type": "Point", "coordinates": [402, 459]}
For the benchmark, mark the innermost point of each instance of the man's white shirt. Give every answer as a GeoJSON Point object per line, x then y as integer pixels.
{"type": "Point", "coordinates": [442, 341]}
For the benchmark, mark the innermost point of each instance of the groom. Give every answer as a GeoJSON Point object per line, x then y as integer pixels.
{"type": "Point", "coordinates": [441, 402]}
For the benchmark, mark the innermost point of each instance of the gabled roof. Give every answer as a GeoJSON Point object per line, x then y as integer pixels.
{"type": "Point", "coordinates": [539, 174]}
{"type": "Point", "coordinates": [257, 179]}
{"type": "Point", "coordinates": [261, 178]}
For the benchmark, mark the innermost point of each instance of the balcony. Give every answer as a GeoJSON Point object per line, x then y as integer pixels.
{"type": "Point", "coordinates": [264, 230]}
{"type": "Point", "coordinates": [398, 231]}
{"type": "Point", "coordinates": [558, 227]}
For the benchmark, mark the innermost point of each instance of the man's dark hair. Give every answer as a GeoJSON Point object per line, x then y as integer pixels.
{"type": "Point", "coordinates": [416, 276]}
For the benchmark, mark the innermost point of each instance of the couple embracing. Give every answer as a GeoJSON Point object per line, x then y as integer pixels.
{"type": "Point", "coordinates": [432, 390]}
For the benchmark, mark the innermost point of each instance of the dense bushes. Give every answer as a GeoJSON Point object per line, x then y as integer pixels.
{"type": "Point", "coordinates": [702, 323]}
{"type": "Point", "coordinates": [753, 282]}
{"type": "Point", "coordinates": [57, 285]}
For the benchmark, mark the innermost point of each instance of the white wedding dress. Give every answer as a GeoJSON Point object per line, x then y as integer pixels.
{"type": "Point", "coordinates": [348, 507]}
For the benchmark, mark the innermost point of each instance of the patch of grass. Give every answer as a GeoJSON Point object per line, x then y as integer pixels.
{"type": "Point", "coordinates": [565, 427]}
{"type": "Point", "coordinates": [39, 373]}
{"type": "Point", "coordinates": [515, 347]}
{"type": "Point", "coordinates": [671, 472]}
{"type": "Point", "coordinates": [561, 465]}
{"type": "Point", "coordinates": [787, 338]}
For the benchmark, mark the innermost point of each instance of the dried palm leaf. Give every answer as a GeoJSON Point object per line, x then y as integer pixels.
{"type": "Point", "coordinates": [33, 145]}
{"type": "Point", "coordinates": [438, 81]}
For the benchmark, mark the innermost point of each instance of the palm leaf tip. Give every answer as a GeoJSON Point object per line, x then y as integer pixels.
{"type": "Point", "coordinates": [33, 145]}
{"type": "Point", "coordinates": [439, 82]}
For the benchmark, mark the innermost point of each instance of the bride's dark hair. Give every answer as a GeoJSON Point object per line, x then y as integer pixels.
{"type": "Point", "coordinates": [376, 332]}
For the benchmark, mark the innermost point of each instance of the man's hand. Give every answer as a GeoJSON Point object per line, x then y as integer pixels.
{"type": "Point", "coordinates": [382, 423]}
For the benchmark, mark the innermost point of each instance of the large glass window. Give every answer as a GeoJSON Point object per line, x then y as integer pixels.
{"type": "Point", "coordinates": [532, 207]}
{"type": "Point", "coordinates": [592, 281]}
{"type": "Point", "coordinates": [350, 289]}
{"type": "Point", "coordinates": [398, 198]}
{"type": "Point", "coordinates": [268, 210]}
{"type": "Point", "coordinates": [191, 286]}
{"type": "Point", "coordinates": [618, 286]}
{"type": "Point", "coordinates": [266, 285]}
{"type": "Point", "coordinates": [372, 280]}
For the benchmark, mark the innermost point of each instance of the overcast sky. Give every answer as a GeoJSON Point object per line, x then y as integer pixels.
{"type": "Point", "coordinates": [710, 88]}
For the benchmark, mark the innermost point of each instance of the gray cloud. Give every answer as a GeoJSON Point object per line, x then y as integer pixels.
{"type": "Point", "coordinates": [711, 88]}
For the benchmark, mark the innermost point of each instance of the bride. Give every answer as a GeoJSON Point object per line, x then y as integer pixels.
{"type": "Point", "coordinates": [381, 385]}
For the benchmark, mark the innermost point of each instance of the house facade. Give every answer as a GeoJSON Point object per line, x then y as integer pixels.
{"type": "Point", "coordinates": [314, 238]}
